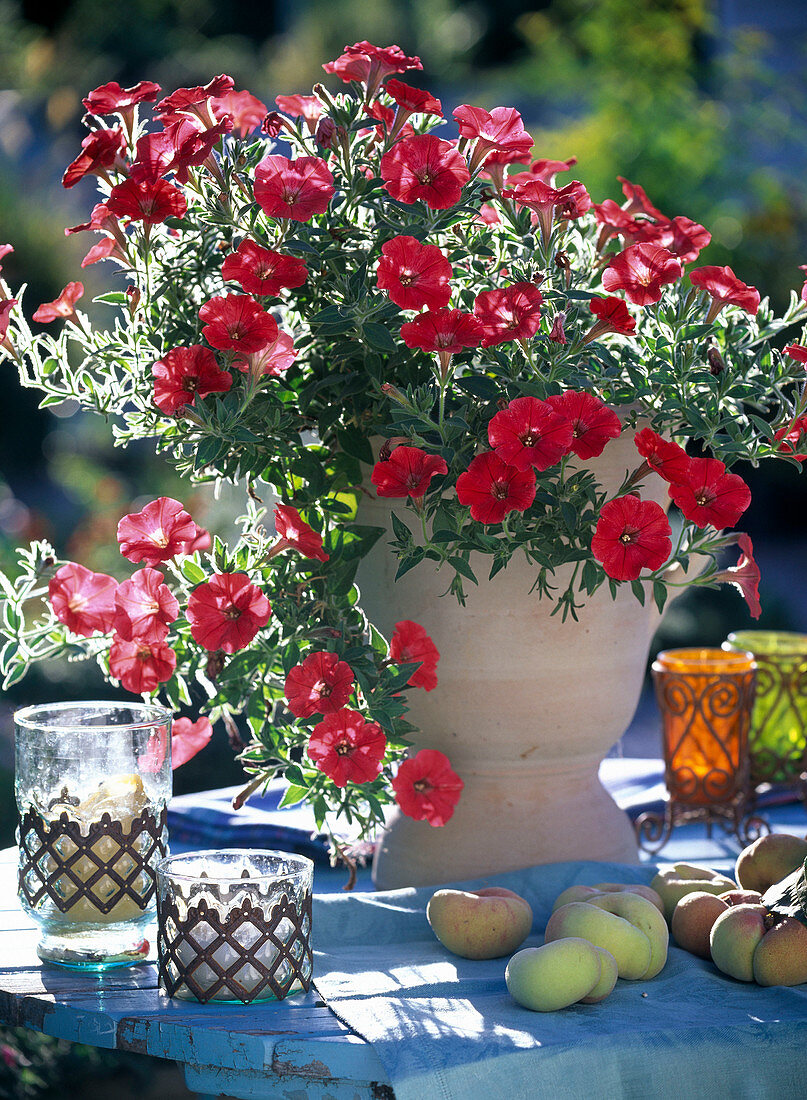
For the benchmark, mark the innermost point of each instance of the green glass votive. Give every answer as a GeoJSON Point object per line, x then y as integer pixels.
{"type": "Point", "coordinates": [778, 734]}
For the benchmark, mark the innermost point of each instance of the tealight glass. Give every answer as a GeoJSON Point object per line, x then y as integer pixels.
{"type": "Point", "coordinates": [778, 735]}
{"type": "Point", "coordinates": [234, 925]}
{"type": "Point", "coordinates": [92, 782]}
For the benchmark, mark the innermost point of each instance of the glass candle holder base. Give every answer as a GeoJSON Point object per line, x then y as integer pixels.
{"type": "Point", "coordinates": [95, 949]}
{"type": "Point", "coordinates": [184, 993]}
{"type": "Point", "coordinates": [736, 819]}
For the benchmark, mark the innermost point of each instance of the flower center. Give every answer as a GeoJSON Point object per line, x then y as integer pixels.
{"type": "Point", "coordinates": [343, 748]}
{"type": "Point", "coordinates": [290, 195]}
{"type": "Point", "coordinates": [159, 538]}
{"type": "Point", "coordinates": [422, 786]}
{"type": "Point", "coordinates": [704, 499]}
{"type": "Point", "coordinates": [628, 536]}
{"type": "Point", "coordinates": [232, 613]}
{"type": "Point", "coordinates": [529, 439]}
{"type": "Point", "coordinates": [406, 278]}
{"type": "Point", "coordinates": [424, 177]}
{"type": "Point", "coordinates": [322, 689]}
{"type": "Point", "coordinates": [499, 490]}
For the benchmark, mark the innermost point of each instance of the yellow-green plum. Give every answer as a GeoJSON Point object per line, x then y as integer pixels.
{"type": "Point", "coordinates": [781, 956]}
{"type": "Point", "coordinates": [645, 916]}
{"type": "Point", "coordinates": [674, 882]}
{"type": "Point", "coordinates": [628, 944]}
{"type": "Point", "coordinates": [608, 977]}
{"type": "Point", "coordinates": [480, 924]}
{"type": "Point", "coordinates": [554, 976]}
{"type": "Point", "coordinates": [735, 937]}
{"type": "Point", "coordinates": [769, 859]}
{"type": "Point", "coordinates": [692, 921]}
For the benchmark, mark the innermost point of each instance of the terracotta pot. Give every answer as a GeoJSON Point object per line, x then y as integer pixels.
{"type": "Point", "coordinates": [526, 707]}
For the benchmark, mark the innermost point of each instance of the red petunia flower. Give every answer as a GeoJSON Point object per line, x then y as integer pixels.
{"type": "Point", "coordinates": [157, 533]}
{"type": "Point", "coordinates": [442, 330]}
{"type": "Point", "coordinates": [613, 316]}
{"type": "Point", "coordinates": [273, 359]}
{"type": "Point", "coordinates": [61, 307]}
{"type": "Point", "coordinates": [111, 99]}
{"type": "Point", "coordinates": [194, 102]}
{"type": "Point", "coordinates": [182, 373]}
{"type": "Point", "coordinates": [261, 271]}
{"type": "Point", "coordinates": [151, 202]}
{"type": "Point", "coordinates": [144, 607]}
{"type": "Point", "coordinates": [662, 455]}
{"type": "Point", "coordinates": [745, 575]}
{"type": "Point", "coordinates": [347, 749]}
{"type": "Point", "coordinates": [407, 472]}
{"type": "Point", "coordinates": [141, 666]}
{"type": "Point", "coordinates": [511, 313]}
{"type": "Point", "coordinates": [6, 250]}
{"type": "Point", "coordinates": [493, 488]}
{"type": "Point", "coordinates": [188, 146]}
{"type": "Point", "coordinates": [557, 332]}
{"type": "Point", "coordinates": [6, 307]}
{"type": "Point", "coordinates": [684, 238]}
{"type": "Point", "coordinates": [427, 788]}
{"type": "Point", "coordinates": [227, 612]}
{"type": "Point", "coordinates": [296, 189]}
{"type": "Point", "coordinates": [99, 152]}
{"type": "Point", "coordinates": [307, 107]}
{"type": "Point", "coordinates": [411, 643]}
{"type": "Point", "coordinates": [235, 322]}
{"type": "Point", "coordinates": [593, 423]}
{"type": "Point", "coordinates": [410, 101]}
{"type": "Point", "coordinates": [641, 271]}
{"type": "Point", "coordinates": [246, 111]}
{"type": "Point", "coordinates": [501, 129]}
{"type": "Point", "coordinates": [710, 494]}
{"type": "Point", "coordinates": [414, 275]}
{"type": "Point", "coordinates": [638, 200]}
{"type": "Point", "coordinates": [530, 433]}
{"type": "Point", "coordinates": [631, 535]}
{"type": "Point", "coordinates": [322, 684]}
{"type": "Point", "coordinates": [550, 204]}
{"type": "Point", "coordinates": [84, 601]}
{"type": "Point", "coordinates": [154, 153]}
{"type": "Point", "coordinates": [424, 167]}
{"type": "Point", "coordinates": [546, 170]}
{"type": "Point", "coordinates": [797, 352]}
{"type": "Point", "coordinates": [292, 530]}
{"type": "Point", "coordinates": [725, 289]}
{"type": "Point", "coordinates": [188, 738]}
{"type": "Point", "coordinates": [792, 439]}
{"type": "Point", "coordinates": [615, 222]}
{"type": "Point", "coordinates": [106, 249]}
{"type": "Point", "coordinates": [369, 65]}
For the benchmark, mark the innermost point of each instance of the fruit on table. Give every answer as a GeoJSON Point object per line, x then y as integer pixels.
{"type": "Point", "coordinates": [674, 882]}
{"type": "Point", "coordinates": [556, 975]}
{"type": "Point", "coordinates": [695, 914]}
{"type": "Point", "coordinates": [769, 859]}
{"type": "Point", "coordinates": [608, 976]}
{"type": "Point", "coordinates": [480, 924]}
{"type": "Point", "coordinates": [645, 916]}
{"type": "Point", "coordinates": [629, 945]}
{"type": "Point", "coordinates": [781, 956]}
{"type": "Point", "coordinates": [583, 893]}
{"type": "Point", "coordinates": [750, 943]}
{"type": "Point", "coordinates": [735, 937]}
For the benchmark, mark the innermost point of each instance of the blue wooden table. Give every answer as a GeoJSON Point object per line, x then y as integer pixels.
{"type": "Point", "coordinates": [296, 1047]}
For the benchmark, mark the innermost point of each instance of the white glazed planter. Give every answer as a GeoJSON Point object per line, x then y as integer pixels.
{"type": "Point", "coordinates": [526, 707]}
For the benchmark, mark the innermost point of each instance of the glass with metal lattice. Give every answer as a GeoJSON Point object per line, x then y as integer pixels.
{"type": "Point", "coordinates": [234, 925]}
{"type": "Point", "coordinates": [92, 782]}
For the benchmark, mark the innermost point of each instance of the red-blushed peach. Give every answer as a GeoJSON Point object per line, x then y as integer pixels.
{"type": "Point", "coordinates": [769, 859]}
{"type": "Point", "coordinates": [735, 937]}
{"type": "Point", "coordinates": [480, 924]}
{"type": "Point", "coordinates": [692, 921]}
{"type": "Point", "coordinates": [781, 957]}
{"type": "Point", "coordinates": [628, 944]}
{"type": "Point", "coordinates": [608, 977]}
{"type": "Point", "coordinates": [554, 976]}
{"type": "Point", "coordinates": [741, 897]}
{"type": "Point", "coordinates": [674, 882]}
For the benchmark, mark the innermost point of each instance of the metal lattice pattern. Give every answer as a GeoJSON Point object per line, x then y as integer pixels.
{"type": "Point", "coordinates": [102, 867]}
{"type": "Point", "coordinates": [246, 955]}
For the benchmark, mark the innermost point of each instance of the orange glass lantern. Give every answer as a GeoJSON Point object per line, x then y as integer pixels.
{"type": "Point", "coordinates": [705, 697]}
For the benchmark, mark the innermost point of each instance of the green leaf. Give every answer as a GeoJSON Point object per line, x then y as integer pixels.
{"type": "Point", "coordinates": [356, 444]}
{"type": "Point", "coordinates": [113, 298]}
{"type": "Point", "coordinates": [292, 795]}
{"type": "Point", "coordinates": [638, 591]}
{"type": "Point", "coordinates": [660, 594]}
{"type": "Point", "coordinates": [193, 572]}
{"type": "Point", "coordinates": [463, 568]}
{"type": "Point", "coordinates": [379, 337]}
{"type": "Point", "coordinates": [401, 531]}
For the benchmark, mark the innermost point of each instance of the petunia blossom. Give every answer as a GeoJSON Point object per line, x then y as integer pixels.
{"type": "Point", "coordinates": [141, 666]}
{"type": "Point", "coordinates": [612, 316]}
{"type": "Point", "coordinates": [6, 307]}
{"type": "Point", "coordinates": [185, 373]}
{"type": "Point", "coordinates": [593, 423]}
{"type": "Point", "coordinates": [307, 107]}
{"type": "Point", "coordinates": [550, 204]}
{"type": "Point", "coordinates": [410, 644]}
{"type": "Point", "coordinates": [262, 271]}
{"type": "Point", "coordinates": [664, 456]}
{"type": "Point", "coordinates": [407, 472]}
{"type": "Point", "coordinates": [745, 575]}
{"type": "Point", "coordinates": [424, 168]}
{"type": "Point", "coordinates": [295, 189]}
{"type": "Point", "coordinates": [370, 65]}
{"type": "Point", "coordinates": [494, 488]}
{"type": "Point", "coordinates": [246, 111]}
{"type": "Point", "coordinates": [347, 748]}
{"type": "Point", "coordinates": [112, 99]}
{"type": "Point", "coordinates": [797, 352]}
{"type": "Point", "coordinates": [292, 530]}
{"type": "Point", "coordinates": [631, 535]}
{"type": "Point", "coordinates": [273, 358]}
{"type": "Point", "coordinates": [188, 738]}
{"type": "Point", "coordinates": [792, 439]}
{"type": "Point", "coordinates": [442, 330]}
{"type": "Point", "coordinates": [144, 607]}
{"type": "Point", "coordinates": [508, 313]}
{"type": "Point", "coordinates": [641, 271]}
{"type": "Point", "coordinates": [725, 289]}
{"type": "Point", "coordinates": [414, 275]}
{"type": "Point", "coordinates": [160, 531]}
{"type": "Point", "coordinates": [194, 103]}
{"type": "Point", "coordinates": [530, 433]}
{"type": "Point", "coordinates": [235, 322]}
{"type": "Point", "coordinates": [410, 101]}
{"type": "Point", "coordinates": [427, 788]}
{"type": "Point", "coordinates": [637, 200]}
{"type": "Point", "coordinates": [61, 308]}
{"type": "Point", "coordinates": [100, 151]}
{"type": "Point", "coordinates": [711, 495]}
{"type": "Point", "coordinates": [84, 601]}
{"type": "Point", "coordinates": [321, 684]}
{"type": "Point", "coordinates": [500, 130]}
{"type": "Point", "coordinates": [151, 202]}
{"type": "Point", "coordinates": [227, 612]}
